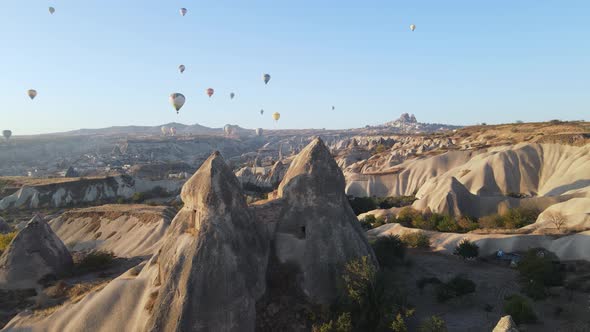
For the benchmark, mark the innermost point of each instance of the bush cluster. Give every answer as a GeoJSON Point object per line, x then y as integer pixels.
{"type": "Point", "coordinates": [511, 219]}
{"type": "Point", "coordinates": [416, 239]}
{"type": "Point", "coordinates": [456, 287]}
{"type": "Point", "coordinates": [539, 269]}
{"type": "Point", "coordinates": [389, 250]}
{"type": "Point", "coordinates": [466, 249]}
{"type": "Point", "coordinates": [410, 217]}
{"type": "Point", "coordinates": [520, 309]}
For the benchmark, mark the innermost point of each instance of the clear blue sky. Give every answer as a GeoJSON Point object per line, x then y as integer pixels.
{"type": "Point", "coordinates": [114, 62]}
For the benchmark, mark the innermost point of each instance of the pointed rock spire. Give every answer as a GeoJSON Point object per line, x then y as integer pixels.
{"type": "Point", "coordinates": [317, 229]}
{"type": "Point", "coordinates": [34, 254]}
{"type": "Point", "coordinates": [506, 324]}
{"type": "Point", "coordinates": [212, 265]}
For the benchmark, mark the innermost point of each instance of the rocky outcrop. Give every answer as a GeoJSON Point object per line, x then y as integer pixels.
{"type": "Point", "coordinates": [262, 179]}
{"type": "Point", "coordinates": [126, 230]}
{"type": "Point", "coordinates": [543, 174]}
{"type": "Point", "coordinates": [207, 275]}
{"type": "Point", "coordinates": [36, 253]}
{"type": "Point", "coordinates": [82, 191]}
{"type": "Point", "coordinates": [506, 324]}
{"type": "Point", "coordinates": [4, 227]}
{"type": "Point", "coordinates": [317, 230]}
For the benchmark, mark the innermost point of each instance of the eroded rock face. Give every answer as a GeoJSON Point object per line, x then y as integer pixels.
{"type": "Point", "coordinates": [35, 253]}
{"type": "Point", "coordinates": [317, 230]}
{"type": "Point", "coordinates": [207, 275]}
{"type": "Point", "coordinates": [212, 265]}
{"type": "Point", "coordinates": [506, 324]}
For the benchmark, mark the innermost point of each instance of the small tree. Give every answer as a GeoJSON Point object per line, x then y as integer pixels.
{"type": "Point", "coordinates": [520, 309]}
{"type": "Point", "coordinates": [556, 218]}
{"type": "Point", "coordinates": [466, 249]}
{"type": "Point", "coordinates": [433, 324]}
{"type": "Point", "coordinates": [390, 250]}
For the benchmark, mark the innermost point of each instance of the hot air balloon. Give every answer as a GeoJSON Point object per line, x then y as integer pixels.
{"type": "Point", "coordinates": [181, 68]}
{"type": "Point", "coordinates": [173, 131]}
{"type": "Point", "coordinates": [276, 116]}
{"type": "Point", "coordinates": [7, 134]}
{"type": "Point", "coordinates": [164, 130]}
{"type": "Point", "coordinates": [177, 100]}
{"type": "Point", "coordinates": [210, 92]}
{"type": "Point", "coordinates": [266, 78]}
{"type": "Point", "coordinates": [261, 112]}
{"type": "Point", "coordinates": [259, 131]}
{"type": "Point", "coordinates": [32, 94]}
{"type": "Point", "coordinates": [333, 108]}
{"type": "Point", "coordinates": [51, 10]}
{"type": "Point", "coordinates": [232, 95]}
{"type": "Point", "coordinates": [412, 27]}
{"type": "Point", "coordinates": [183, 11]}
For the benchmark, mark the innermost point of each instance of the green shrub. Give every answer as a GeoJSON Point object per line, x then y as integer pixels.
{"type": "Point", "coordinates": [513, 218]}
{"type": "Point", "coordinates": [492, 221]}
{"type": "Point", "coordinates": [407, 214]}
{"type": "Point", "coordinates": [373, 295]}
{"type": "Point", "coordinates": [96, 260]}
{"type": "Point", "coordinates": [422, 222]}
{"type": "Point", "coordinates": [399, 323]}
{"type": "Point", "coordinates": [138, 197]}
{"type": "Point", "coordinates": [466, 224]}
{"type": "Point", "coordinates": [121, 200]}
{"type": "Point", "coordinates": [446, 223]}
{"type": "Point", "coordinates": [389, 250]}
{"type": "Point", "coordinates": [342, 324]}
{"type": "Point", "coordinates": [416, 239]}
{"type": "Point", "coordinates": [433, 324]}
{"type": "Point", "coordinates": [5, 240]}
{"type": "Point", "coordinates": [362, 204]}
{"type": "Point", "coordinates": [379, 149]}
{"type": "Point", "coordinates": [520, 217]}
{"type": "Point", "coordinates": [466, 249]}
{"type": "Point", "coordinates": [520, 309]}
{"type": "Point", "coordinates": [538, 270]}
{"type": "Point", "coordinates": [379, 221]}
{"type": "Point", "coordinates": [456, 287]}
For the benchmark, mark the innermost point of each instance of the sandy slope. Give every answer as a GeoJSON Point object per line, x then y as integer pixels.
{"type": "Point", "coordinates": [126, 230]}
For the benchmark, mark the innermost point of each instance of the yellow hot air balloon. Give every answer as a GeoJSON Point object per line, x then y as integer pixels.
{"type": "Point", "coordinates": [177, 100]}
{"type": "Point", "coordinates": [51, 10]}
{"type": "Point", "coordinates": [276, 116]}
{"type": "Point", "coordinates": [32, 94]}
{"type": "Point", "coordinates": [412, 27]}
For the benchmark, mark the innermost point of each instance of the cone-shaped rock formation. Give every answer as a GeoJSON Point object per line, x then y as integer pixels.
{"type": "Point", "coordinates": [317, 229]}
{"type": "Point", "coordinates": [36, 253]}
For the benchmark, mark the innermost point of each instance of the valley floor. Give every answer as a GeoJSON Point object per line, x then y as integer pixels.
{"type": "Point", "coordinates": [494, 282]}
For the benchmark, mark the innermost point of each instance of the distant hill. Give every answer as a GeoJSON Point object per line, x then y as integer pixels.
{"type": "Point", "coordinates": [195, 129]}
{"type": "Point", "coordinates": [407, 123]}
